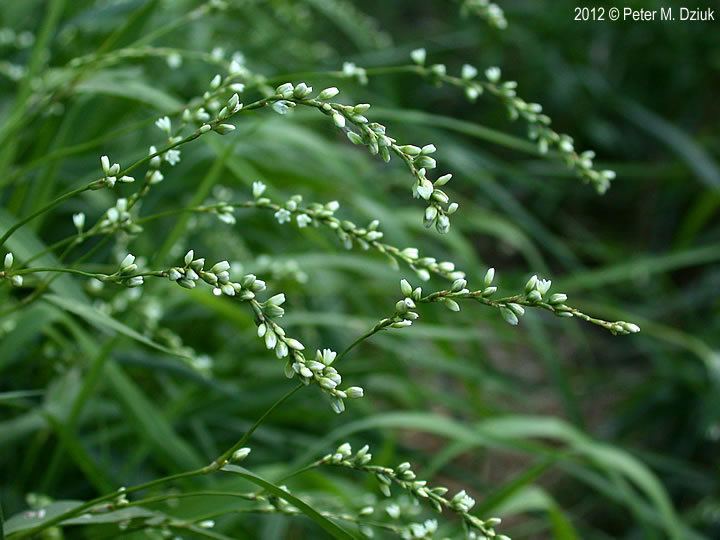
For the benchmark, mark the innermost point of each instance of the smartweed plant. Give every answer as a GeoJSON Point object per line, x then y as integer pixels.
{"type": "Point", "coordinates": [127, 258]}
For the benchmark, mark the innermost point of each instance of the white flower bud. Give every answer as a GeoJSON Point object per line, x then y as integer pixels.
{"type": "Point", "coordinates": [469, 72]}
{"type": "Point", "coordinates": [277, 300]}
{"type": "Point", "coordinates": [418, 56]}
{"type": "Point", "coordinates": [127, 262]}
{"type": "Point", "coordinates": [354, 392]}
{"type": "Point", "coordinates": [489, 276]}
{"type": "Point", "coordinates": [339, 120]}
{"type": "Point", "coordinates": [294, 344]}
{"type": "Point", "coordinates": [241, 453]}
{"type": "Point", "coordinates": [258, 188]}
{"type": "Point", "coordinates": [224, 129]}
{"type": "Point", "coordinates": [222, 266]}
{"type": "Point", "coordinates": [493, 74]}
{"type": "Point", "coordinates": [328, 93]}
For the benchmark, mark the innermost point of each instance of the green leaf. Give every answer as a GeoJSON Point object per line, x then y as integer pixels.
{"type": "Point", "coordinates": [128, 84]}
{"type": "Point", "coordinates": [33, 518]}
{"type": "Point", "coordinates": [330, 526]}
{"type": "Point", "coordinates": [151, 423]}
{"type": "Point", "coordinates": [101, 320]}
{"type": "Point", "coordinates": [519, 433]}
{"type": "Point", "coordinates": [24, 244]}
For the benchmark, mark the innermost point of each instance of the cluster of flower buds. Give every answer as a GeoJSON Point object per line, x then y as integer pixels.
{"type": "Point", "coordinates": [404, 316]}
{"type": "Point", "coordinates": [110, 174]}
{"type": "Point", "coordinates": [15, 279]}
{"type": "Point", "coordinates": [351, 71]}
{"type": "Point", "coordinates": [289, 95]}
{"type": "Point", "coordinates": [374, 136]}
{"type": "Point", "coordinates": [124, 275]}
{"type": "Point", "coordinates": [349, 233]}
{"type": "Point", "coordinates": [405, 478]}
{"type": "Point", "coordinates": [116, 218]}
{"type": "Point", "coordinates": [485, 9]}
{"type": "Point", "coordinates": [153, 175]}
{"type": "Point", "coordinates": [319, 371]}
{"type": "Point", "coordinates": [425, 266]}
{"type": "Point", "coordinates": [315, 214]}
{"type": "Point", "coordinates": [418, 160]}
{"type": "Point", "coordinates": [212, 111]}
{"type": "Point", "coordinates": [539, 129]}
{"type": "Point", "coordinates": [232, 106]}
{"type": "Point", "coordinates": [217, 276]}
{"type": "Point", "coordinates": [420, 531]}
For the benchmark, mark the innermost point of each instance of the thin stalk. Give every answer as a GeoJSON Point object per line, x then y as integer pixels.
{"type": "Point", "coordinates": [49, 206]}
{"type": "Point", "coordinates": [212, 467]}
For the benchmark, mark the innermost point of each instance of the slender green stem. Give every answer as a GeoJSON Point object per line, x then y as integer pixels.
{"type": "Point", "coordinates": [359, 340]}
{"type": "Point", "coordinates": [49, 206]}
{"type": "Point", "coordinates": [230, 451]}
{"type": "Point", "coordinates": [206, 493]}
{"type": "Point", "coordinates": [109, 496]}
{"type": "Point", "coordinates": [58, 270]}
{"type": "Point", "coordinates": [53, 247]}
{"type": "Point", "coordinates": [212, 467]}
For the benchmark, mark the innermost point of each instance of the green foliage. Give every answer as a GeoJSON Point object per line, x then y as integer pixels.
{"type": "Point", "coordinates": [203, 200]}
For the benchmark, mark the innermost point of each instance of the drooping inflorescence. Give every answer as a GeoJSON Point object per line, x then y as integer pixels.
{"type": "Point", "coordinates": [318, 370]}
{"type": "Point", "coordinates": [404, 478]}
{"type": "Point", "coordinates": [361, 131]}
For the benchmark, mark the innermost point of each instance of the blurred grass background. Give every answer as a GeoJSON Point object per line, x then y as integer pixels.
{"type": "Point", "coordinates": [560, 428]}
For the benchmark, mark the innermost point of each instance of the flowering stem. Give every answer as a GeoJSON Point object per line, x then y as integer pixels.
{"type": "Point", "coordinates": [212, 467]}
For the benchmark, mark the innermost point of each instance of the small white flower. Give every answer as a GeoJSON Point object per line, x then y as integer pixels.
{"type": "Point", "coordinates": [164, 124]}
{"type": "Point", "coordinates": [411, 252]}
{"type": "Point", "coordinates": [79, 221]}
{"type": "Point", "coordinates": [174, 60]}
{"type": "Point", "coordinates": [235, 68]}
{"type": "Point", "coordinates": [156, 177]}
{"type": "Point", "coordinates": [462, 501]}
{"type": "Point", "coordinates": [393, 511]}
{"type": "Point", "coordinates": [283, 216]}
{"type": "Point", "coordinates": [172, 157]}
{"type": "Point", "coordinates": [326, 356]}
{"type": "Point", "coordinates": [128, 262]}
{"type": "Point", "coordinates": [258, 188]}
{"type": "Point", "coordinates": [303, 220]}
{"type": "Point", "coordinates": [241, 454]}
{"type": "Point", "coordinates": [339, 120]}
{"type": "Point", "coordinates": [328, 93]}
{"type": "Point", "coordinates": [9, 261]}
{"type": "Point", "coordinates": [469, 72]}
{"type": "Point", "coordinates": [355, 392]}
{"type": "Point", "coordinates": [493, 74]}
{"type": "Point", "coordinates": [282, 106]}
{"type": "Point", "coordinates": [418, 56]}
